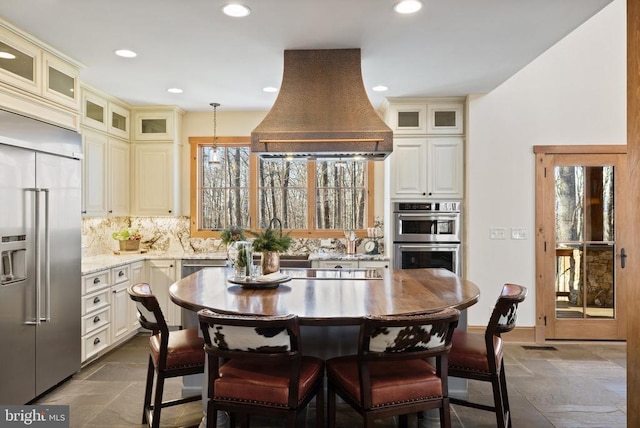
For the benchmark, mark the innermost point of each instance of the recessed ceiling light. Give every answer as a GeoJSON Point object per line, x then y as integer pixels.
{"type": "Point", "coordinates": [380, 88]}
{"type": "Point", "coordinates": [236, 10]}
{"type": "Point", "coordinates": [125, 53]}
{"type": "Point", "coordinates": [7, 55]}
{"type": "Point", "coordinates": [407, 6]}
{"type": "Point", "coordinates": [175, 90]}
{"type": "Point", "coordinates": [270, 89]}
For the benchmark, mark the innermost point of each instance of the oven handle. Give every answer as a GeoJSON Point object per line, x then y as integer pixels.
{"type": "Point", "coordinates": [429, 216]}
{"type": "Point", "coordinates": [454, 247]}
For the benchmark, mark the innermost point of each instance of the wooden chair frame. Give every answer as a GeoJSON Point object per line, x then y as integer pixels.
{"type": "Point", "coordinates": [292, 358]}
{"type": "Point", "coordinates": [142, 294]}
{"type": "Point", "coordinates": [507, 302]}
{"type": "Point", "coordinates": [364, 407]}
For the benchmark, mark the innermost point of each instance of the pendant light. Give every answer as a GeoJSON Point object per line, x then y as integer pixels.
{"type": "Point", "coordinates": [214, 160]}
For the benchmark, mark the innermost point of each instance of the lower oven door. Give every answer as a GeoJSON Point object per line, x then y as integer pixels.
{"type": "Point", "coordinates": [417, 256]}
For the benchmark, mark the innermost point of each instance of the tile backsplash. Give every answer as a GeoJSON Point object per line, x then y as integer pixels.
{"type": "Point", "coordinates": [172, 235]}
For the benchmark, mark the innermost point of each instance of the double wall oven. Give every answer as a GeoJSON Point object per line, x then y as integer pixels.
{"type": "Point", "coordinates": [427, 235]}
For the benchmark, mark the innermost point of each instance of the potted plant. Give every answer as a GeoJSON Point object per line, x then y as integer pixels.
{"type": "Point", "coordinates": [230, 238]}
{"type": "Point", "coordinates": [270, 243]}
{"type": "Point", "coordinates": [128, 239]}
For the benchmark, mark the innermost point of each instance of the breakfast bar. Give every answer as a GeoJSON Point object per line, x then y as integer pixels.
{"type": "Point", "coordinates": [329, 297]}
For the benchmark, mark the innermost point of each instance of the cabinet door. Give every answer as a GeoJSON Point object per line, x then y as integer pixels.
{"type": "Point", "coordinates": [162, 273]}
{"type": "Point", "coordinates": [121, 306]}
{"type": "Point", "coordinates": [61, 82]}
{"type": "Point", "coordinates": [22, 67]}
{"type": "Point", "coordinates": [408, 119]}
{"type": "Point", "coordinates": [374, 264]}
{"type": "Point", "coordinates": [154, 179]}
{"type": "Point", "coordinates": [118, 123]}
{"type": "Point", "coordinates": [154, 125]}
{"type": "Point", "coordinates": [94, 111]}
{"type": "Point", "coordinates": [338, 264]}
{"type": "Point", "coordinates": [408, 169]}
{"type": "Point", "coordinates": [138, 275]}
{"type": "Point", "coordinates": [444, 119]}
{"type": "Point", "coordinates": [119, 183]}
{"type": "Point", "coordinates": [94, 174]}
{"type": "Point", "coordinates": [445, 168]}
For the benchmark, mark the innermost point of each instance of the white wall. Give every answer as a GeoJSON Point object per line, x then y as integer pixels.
{"type": "Point", "coordinates": [575, 93]}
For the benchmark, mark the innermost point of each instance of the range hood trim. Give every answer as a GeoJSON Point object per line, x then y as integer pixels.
{"type": "Point", "coordinates": [322, 110]}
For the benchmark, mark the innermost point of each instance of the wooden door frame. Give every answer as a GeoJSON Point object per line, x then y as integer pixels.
{"type": "Point", "coordinates": [543, 164]}
{"type": "Point", "coordinates": [633, 159]}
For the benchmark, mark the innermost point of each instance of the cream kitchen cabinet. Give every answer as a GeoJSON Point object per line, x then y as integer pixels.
{"type": "Point", "coordinates": [138, 275]}
{"type": "Point", "coordinates": [163, 273]}
{"type": "Point", "coordinates": [105, 175]}
{"type": "Point", "coordinates": [425, 116]}
{"type": "Point", "coordinates": [426, 168]}
{"type": "Point", "coordinates": [352, 264]}
{"type": "Point", "coordinates": [38, 81]}
{"type": "Point", "coordinates": [155, 179]}
{"type": "Point", "coordinates": [104, 114]}
{"type": "Point", "coordinates": [122, 306]}
{"type": "Point", "coordinates": [96, 314]}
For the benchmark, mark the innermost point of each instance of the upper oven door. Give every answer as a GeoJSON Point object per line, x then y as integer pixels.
{"type": "Point", "coordinates": [427, 227]}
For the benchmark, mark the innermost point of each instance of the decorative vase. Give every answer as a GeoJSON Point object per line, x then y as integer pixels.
{"type": "Point", "coordinates": [270, 262]}
{"type": "Point", "coordinates": [129, 245]}
{"type": "Point", "coordinates": [243, 259]}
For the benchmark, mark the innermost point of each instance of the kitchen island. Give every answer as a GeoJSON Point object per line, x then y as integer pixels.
{"type": "Point", "coordinates": [330, 297]}
{"type": "Point", "coordinates": [329, 303]}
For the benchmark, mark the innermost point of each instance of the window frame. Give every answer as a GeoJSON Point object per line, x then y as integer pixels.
{"type": "Point", "coordinates": [196, 143]}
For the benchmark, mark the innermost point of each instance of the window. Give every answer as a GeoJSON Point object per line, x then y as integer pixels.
{"type": "Point", "coordinates": [313, 198]}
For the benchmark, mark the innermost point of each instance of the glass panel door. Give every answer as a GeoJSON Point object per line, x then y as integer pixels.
{"type": "Point", "coordinates": [585, 279]}
{"type": "Point", "coordinates": [585, 242]}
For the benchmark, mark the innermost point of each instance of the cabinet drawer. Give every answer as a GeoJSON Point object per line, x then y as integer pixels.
{"type": "Point", "coordinates": [94, 343]}
{"type": "Point", "coordinates": [95, 301]}
{"type": "Point", "coordinates": [95, 281]}
{"type": "Point", "coordinates": [95, 321]}
{"type": "Point", "coordinates": [121, 274]}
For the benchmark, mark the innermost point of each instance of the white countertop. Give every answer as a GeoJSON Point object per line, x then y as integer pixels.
{"type": "Point", "coordinates": [107, 261]}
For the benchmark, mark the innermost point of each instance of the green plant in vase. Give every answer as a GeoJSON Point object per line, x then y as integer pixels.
{"type": "Point", "coordinates": [270, 243]}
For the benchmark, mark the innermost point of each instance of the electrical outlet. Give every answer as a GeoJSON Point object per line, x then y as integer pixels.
{"type": "Point", "coordinates": [497, 233]}
{"type": "Point", "coordinates": [519, 233]}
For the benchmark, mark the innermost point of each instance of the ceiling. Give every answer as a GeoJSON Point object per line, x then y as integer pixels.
{"type": "Point", "coordinates": [449, 48]}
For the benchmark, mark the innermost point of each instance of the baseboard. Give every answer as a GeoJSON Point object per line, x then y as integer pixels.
{"type": "Point", "coordinates": [518, 334]}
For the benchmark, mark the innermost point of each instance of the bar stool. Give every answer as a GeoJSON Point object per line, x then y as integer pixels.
{"type": "Point", "coordinates": [480, 356]}
{"type": "Point", "coordinates": [171, 354]}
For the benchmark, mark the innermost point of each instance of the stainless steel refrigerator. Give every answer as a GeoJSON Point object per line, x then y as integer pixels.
{"type": "Point", "coordinates": [40, 228]}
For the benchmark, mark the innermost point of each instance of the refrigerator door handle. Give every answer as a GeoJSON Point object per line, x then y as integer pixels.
{"type": "Point", "coordinates": [47, 258]}
{"type": "Point", "coordinates": [38, 254]}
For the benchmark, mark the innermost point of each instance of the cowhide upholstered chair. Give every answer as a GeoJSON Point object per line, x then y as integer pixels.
{"type": "Point", "coordinates": [256, 366]}
{"type": "Point", "coordinates": [391, 376]}
{"type": "Point", "coordinates": [175, 353]}
{"type": "Point", "coordinates": [480, 356]}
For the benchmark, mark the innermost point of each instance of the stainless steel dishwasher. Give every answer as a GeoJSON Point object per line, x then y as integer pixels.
{"type": "Point", "coordinates": [190, 266]}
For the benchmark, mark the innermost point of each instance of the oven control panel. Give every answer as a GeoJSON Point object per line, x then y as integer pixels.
{"type": "Point", "coordinates": [447, 207]}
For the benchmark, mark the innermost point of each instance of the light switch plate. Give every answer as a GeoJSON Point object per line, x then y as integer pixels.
{"type": "Point", "coordinates": [519, 233]}
{"type": "Point", "coordinates": [497, 233]}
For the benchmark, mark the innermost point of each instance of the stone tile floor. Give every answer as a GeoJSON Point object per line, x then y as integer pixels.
{"type": "Point", "coordinates": [579, 384]}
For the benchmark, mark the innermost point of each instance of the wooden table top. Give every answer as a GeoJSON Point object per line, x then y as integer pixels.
{"type": "Point", "coordinates": [329, 301]}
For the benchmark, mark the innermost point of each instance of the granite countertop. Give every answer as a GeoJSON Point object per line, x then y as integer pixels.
{"type": "Point", "coordinates": [107, 261]}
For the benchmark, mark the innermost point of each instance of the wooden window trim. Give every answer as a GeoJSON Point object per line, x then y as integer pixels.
{"type": "Point", "coordinates": [196, 142]}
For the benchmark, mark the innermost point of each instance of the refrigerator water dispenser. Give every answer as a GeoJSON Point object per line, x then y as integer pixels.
{"type": "Point", "coordinates": [14, 261]}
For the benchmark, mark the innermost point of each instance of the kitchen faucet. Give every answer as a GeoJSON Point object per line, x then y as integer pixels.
{"type": "Point", "coordinates": [274, 220]}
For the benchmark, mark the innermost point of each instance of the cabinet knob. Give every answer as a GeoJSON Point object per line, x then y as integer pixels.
{"type": "Point", "coordinates": [96, 341]}
{"type": "Point", "coordinates": [424, 194]}
{"type": "Point", "coordinates": [96, 300]}
{"type": "Point", "coordinates": [337, 267]}
{"type": "Point", "coordinates": [110, 211]}
{"type": "Point", "coordinates": [169, 211]}
{"type": "Point", "coordinates": [96, 319]}
{"type": "Point", "coordinates": [121, 273]}
{"type": "Point", "coordinates": [430, 193]}
{"type": "Point", "coordinates": [96, 281]}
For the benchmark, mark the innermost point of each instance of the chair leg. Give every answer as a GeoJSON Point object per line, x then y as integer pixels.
{"type": "Point", "coordinates": [497, 400]}
{"type": "Point", "coordinates": [212, 416]}
{"type": "Point", "coordinates": [403, 421]}
{"type": "Point", "coordinates": [157, 401]}
{"type": "Point", "coordinates": [505, 396]}
{"type": "Point", "coordinates": [445, 414]}
{"type": "Point", "coordinates": [147, 392]}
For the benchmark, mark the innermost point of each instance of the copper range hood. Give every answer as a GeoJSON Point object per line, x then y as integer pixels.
{"type": "Point", "coordinates": [322, 111]}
